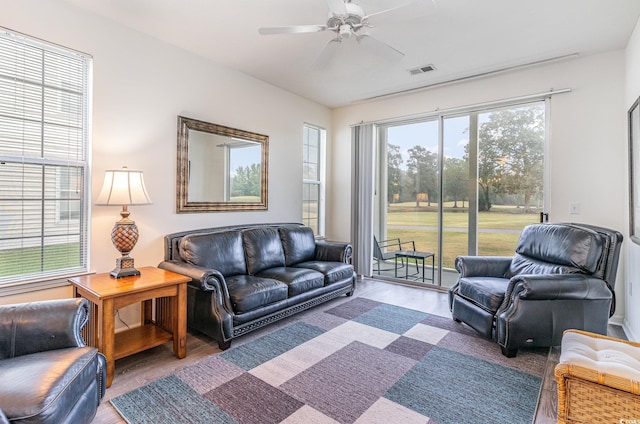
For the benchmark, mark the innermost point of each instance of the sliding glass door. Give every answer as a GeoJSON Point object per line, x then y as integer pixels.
{"type": "Point", "coordinates": [453, 185]}
{"type": "Point", "coordinates": [510, 175]}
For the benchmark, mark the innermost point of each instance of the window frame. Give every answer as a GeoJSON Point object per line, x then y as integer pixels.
{"type": "Point", "coordinates": [65, 150]}
{"type": "Point", "coordinates": [319, 183]}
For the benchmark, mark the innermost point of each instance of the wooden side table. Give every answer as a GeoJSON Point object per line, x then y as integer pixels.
{"type": "Point", "coordinates": [107, 294]}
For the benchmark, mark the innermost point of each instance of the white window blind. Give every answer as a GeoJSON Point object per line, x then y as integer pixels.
{"type": "Point", "coordinates": [44, 172]}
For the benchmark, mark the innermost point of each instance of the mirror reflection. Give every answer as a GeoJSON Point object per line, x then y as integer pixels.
{"type": "Point", "coordinates": [220, 168]}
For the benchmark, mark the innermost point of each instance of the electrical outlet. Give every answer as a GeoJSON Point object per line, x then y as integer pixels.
{"type": "Point", "coordinates": [575, 208]}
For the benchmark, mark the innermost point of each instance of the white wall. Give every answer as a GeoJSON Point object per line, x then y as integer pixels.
{"type": "Point", "coordinates": [588, 146]}
{"type": "Point", "coordinates": [140, 87]}
{"type": "Point", "coordinates": [632, 92]}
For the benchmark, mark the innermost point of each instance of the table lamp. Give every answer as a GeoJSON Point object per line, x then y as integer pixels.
{"type": "Point", "coordinates": [123, 187]}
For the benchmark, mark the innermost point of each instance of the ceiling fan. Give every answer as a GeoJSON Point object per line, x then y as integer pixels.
{"type": "Point", "coordinates": [348, 19]}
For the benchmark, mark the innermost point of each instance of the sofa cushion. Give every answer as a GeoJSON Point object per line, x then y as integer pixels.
{"type": "Point", "coordinates": [299, 244]}
{"type": "Point", "coordinates": [332, 271]}
{"type": "Point", "coordinates": [576, 248]}
{"type": "Point", "coordinates": [220, 251]}
{"type": "Point", "coordinates": [248, 292]}
{"type": "Point", "coordinates": [43, 387]}
{"type": "Point", "coordinates": [263, 249]}
{"type": "Point", "coordinates": [298, 280]}
{"type": "Point", "coordinates": [486, 292]}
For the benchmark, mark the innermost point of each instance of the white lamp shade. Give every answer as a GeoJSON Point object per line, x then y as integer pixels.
{"type": "Point", "coordinates": [123, 187]}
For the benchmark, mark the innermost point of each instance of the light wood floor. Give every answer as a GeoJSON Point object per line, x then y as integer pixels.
{"type": "Point", "coordinates": [142, 368]}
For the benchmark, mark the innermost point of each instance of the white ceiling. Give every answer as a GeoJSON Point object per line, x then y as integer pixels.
{"type": "Point", "coordinates": [461, 38]}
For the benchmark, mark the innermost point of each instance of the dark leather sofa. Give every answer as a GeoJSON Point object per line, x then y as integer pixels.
{"type": "Point", "coordinates": [47, 374]}
{"type": "Point", "coordinates": [562, 276]}
{"type": "Point", "coordinates": [247, 276]}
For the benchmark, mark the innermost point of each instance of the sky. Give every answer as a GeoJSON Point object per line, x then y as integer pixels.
{"type": "Point", "coordinates": [425, 134]}
{"type": "Point", "coordinates": [456, 135]}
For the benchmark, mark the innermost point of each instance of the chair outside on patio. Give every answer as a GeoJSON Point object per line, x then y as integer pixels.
{"type": "Point", "coordinates": [385, 250]}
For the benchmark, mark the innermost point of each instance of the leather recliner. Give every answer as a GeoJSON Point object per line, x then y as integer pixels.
{"type": "Point", "coordinates": [562, 276]}
{"type": "Point", "coordinates": [47, 373]}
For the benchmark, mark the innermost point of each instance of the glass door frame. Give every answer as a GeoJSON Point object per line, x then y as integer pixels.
{"type": "Point", "coordinates": [380, 194]}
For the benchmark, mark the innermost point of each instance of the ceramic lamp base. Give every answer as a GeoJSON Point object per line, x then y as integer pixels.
{"type": "Point", "coordinates": [124, 237]}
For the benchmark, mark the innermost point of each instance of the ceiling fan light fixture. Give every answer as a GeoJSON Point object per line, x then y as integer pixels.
{"type": "Point", "coordinates": [354, 16]}
{"type": "Point", "coordinates": [349, 20]}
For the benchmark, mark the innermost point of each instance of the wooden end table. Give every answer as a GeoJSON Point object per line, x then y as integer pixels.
{"type": "Point", "coordinates": [108, 294]}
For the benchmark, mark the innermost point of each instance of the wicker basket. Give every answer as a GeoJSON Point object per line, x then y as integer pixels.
{"type": "Point", "coordinates": [588, 395]}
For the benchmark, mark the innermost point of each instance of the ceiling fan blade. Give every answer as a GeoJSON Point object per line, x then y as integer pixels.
{"type": "Point", "coordinates": [337, 7]}
{"type": "Point", "coordinates": [413, 9]}
{"type": "Point", "coordinates": [380, 48]}
{"type": "Point", "coordinates": [327, 53]}
{"type": "Point", "coordinates": [298, 29]}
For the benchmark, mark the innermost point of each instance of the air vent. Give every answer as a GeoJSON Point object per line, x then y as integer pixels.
{"type": "Point", "coordinates": [422, 69]}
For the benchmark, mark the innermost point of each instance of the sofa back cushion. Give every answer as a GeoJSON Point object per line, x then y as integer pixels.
{"type": "Point", "coordinates": [298, 243]}
{"type": "Point", "coordinates": [221, 251]}
{"type": "Point", "coordinates": [263, 249]}
{"type": "Point", "coordinates": [551, 248]}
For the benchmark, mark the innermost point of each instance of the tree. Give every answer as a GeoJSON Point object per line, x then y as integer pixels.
{"type": "Point", "coordinates": [394, 173]}
{"type": "Point", "coordinates": [456, 178]}
{"type": "Point", "coordinates": [246, 181]}
{"type": "Point", "coordinates": [511, 155]}
{"type": "Point", "coordinates": [488, 157]}
{"type": "Point", "coordinates": [422, 166]}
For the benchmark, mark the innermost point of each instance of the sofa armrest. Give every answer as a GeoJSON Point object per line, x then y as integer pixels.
{"type": "Point", "coordinates": [41, 326]}
{"type": "Point", "coordinates": [333, 251]}
{"type": "Point", "coordinates": [483, 266]}
{"type": "Point", "coordinates": [205, 279]}
{"type": "Point", "coordinates": [200, 276]}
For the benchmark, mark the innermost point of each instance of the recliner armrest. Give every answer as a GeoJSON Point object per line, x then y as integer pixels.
{"type": "Point", "coordinates": [101, 376]}
{"type": "Point", "coordinates": [556, 286]}
{"type": "Point", "coordinates": [333, 251]}
{"type": "Point", "coordinates": [483, 266]}
{"type": "Point", "coordinates": [41, 326]}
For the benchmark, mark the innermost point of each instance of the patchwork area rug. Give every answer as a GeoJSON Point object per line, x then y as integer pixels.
{"type": "Point", "coordinates": [360, 362]}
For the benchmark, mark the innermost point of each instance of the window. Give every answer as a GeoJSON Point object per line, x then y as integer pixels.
{"type": "Point", "coordinates": [313, 178]}
{"type": "Point", "coordinates": [44, 172]}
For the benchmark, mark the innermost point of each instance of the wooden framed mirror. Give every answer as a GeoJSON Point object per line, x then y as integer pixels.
{"type": "Point", "coordinates": [220, 168]}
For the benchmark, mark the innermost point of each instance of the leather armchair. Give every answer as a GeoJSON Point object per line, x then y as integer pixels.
{"type": "Point", "coordinates": [47, 373]}
{"type": "Point", "coordinates": [562, 276]}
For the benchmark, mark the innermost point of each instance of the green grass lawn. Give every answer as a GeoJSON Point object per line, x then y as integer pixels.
{"type": "Point", "coordinates": [507, 221]}
{"type": "Point", "coordinates": [35, 259]}
{"type": "Point", "coordinates": [498, 217]}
